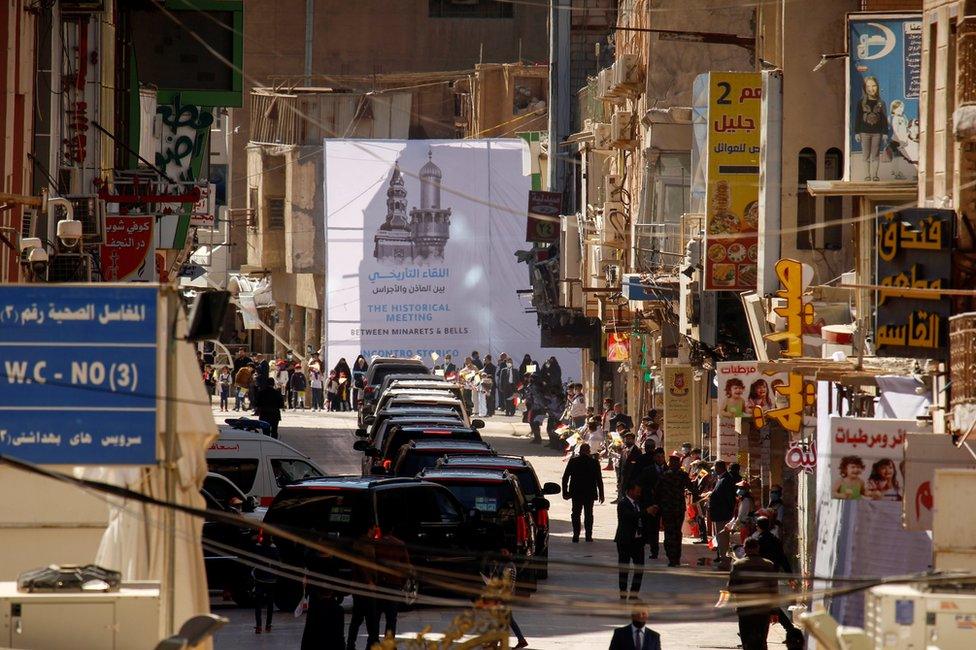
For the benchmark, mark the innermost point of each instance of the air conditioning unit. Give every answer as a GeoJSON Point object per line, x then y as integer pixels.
{"type": "Point", "coordinates": [601, 137]}
{"type": "Point", "coordinates": [570, 257]}
{"type": "Point", "coordinates": [613, 187]}
{"type": "Point", "coordinates": [622, 130]}
{"type": "Point", "coordinates": [625, 75]}
{"type": "Point", "coordinates": [594, 267]}
{"type": "Point", "coordinates": [613, 230]}
{"type": "Point", "coordinates": [604, 84]}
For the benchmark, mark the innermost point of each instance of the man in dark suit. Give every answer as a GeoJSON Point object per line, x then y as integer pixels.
{"type": "Point", "coordinates": [653, 466]}
{"type": "Point", "coordinates": [583, 483]}
{"type": "Point", "coordinates": [771, 548]}
{"type": "Point", "coordinates": [721, 507]}
{"type": "Point", "coordinates": [636, 636]}
{"type": "Point", "coordinates": [619, 416]}
{"type": "Point", "coordinates": [746, 582]}
{"type": "Point", "coordinates": [630, 541]}
{"type": "Point", "coordinates": [631, 460]}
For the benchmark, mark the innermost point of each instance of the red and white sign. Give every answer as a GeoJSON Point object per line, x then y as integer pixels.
{"type": "Point", "coordinates": [204, 213]}
{"type": "Point", "coordinates": [802, 456]}
{"type": "Point", "coordinates": [925, 453]}
{"type": "Point", "coordinates": [127, 254]}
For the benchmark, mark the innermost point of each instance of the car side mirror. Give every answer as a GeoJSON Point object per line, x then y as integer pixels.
{"type": "Point", "coordinates": [361, 433]}
{"type": "Point", "coordinates": [250, 504]}
{"type": "Point", "coordinates": [477, 423]}
{"type": "Point", "coordinates": [360, 445]}
{"type": "Point", "coordinates": [551, 488]}
{"type": "Point", "coordinates": [541, 503]}
{"type": "Point", "coordinates": [369, 419]}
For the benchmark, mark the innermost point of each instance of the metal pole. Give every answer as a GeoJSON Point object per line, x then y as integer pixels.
{"type": "Point", "coordinates": [169, 459]}
{"type": "Point", "coordinates": [309, 17]}
{"type": "Point", "coordinates": [559, 93]}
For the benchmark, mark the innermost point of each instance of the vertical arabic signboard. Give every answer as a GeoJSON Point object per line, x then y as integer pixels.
{"type": "Point", "coordinates": [883, 79]}
{"type": "Point", "coordinates": [79, 374]}
{"type": "Point", "coordinates": [915, 260]}
{"type": "Point", "coordinates": [679, 423]}
{"type": "Point", "coordinates": [543, 222]}
{"type": "Point", "coordinates": [732, 189]}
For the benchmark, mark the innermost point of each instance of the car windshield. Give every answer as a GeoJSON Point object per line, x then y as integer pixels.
{"type": "Point", "coordinates": [527, 481]}
{"type": "Point", "coordinates": [395, 369]}
{"type": "Point", "coordinates": [401, 437]}
{"type": "Point", "coordinates": [413, 462]}
{"type": "Point", "coordinates": [322, 513]}
{"type": "Point", "coordinates": [489, 498]}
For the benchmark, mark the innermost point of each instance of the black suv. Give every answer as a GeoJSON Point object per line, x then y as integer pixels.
{"type": "Point", "coordinates": [373, 423]}
{"type": "Point", "coordinates": [534, 493]}
{"type": "Point", "coordinates": [418, 455]}
{"type": "Point", "coordinates": [379, 453]}
{"type": "Point", "coordinates": [377, 370]}
{"type": "Point", "coordinates": [349, 510]}
{"type": "Point", "coordinates": [225, 574]}
{"type": "Point", "coordinates": [503, 512]}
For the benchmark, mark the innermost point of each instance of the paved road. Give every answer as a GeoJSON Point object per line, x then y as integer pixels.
{"type": "Point", "coordinates": [328, 438]}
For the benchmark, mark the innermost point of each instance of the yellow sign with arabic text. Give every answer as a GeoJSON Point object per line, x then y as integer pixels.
{"type": "Point", "coordinates": [732, 182]}
{"type": "Point", "coordinates": [795, 277]}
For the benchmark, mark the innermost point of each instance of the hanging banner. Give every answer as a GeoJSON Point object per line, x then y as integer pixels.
{"type": "Point", "coordinates": [542, 224]}
{"type": "Point", "coordinates": [742, 389]}
{"type": "Point", "coordinates": [421, 238]}
{"type": "Point", "coordinates": [883, 81]}
{"type": "Point", "coordinates": [914, 249]}
{"type": "Point", "coordinates": [732, 185]}
{"type": "Point", "coordinates": [866, 456]}
{"type": "Point", "coordinates": [128, 252]}
{"type": "Point", "coordinates": [618, 346]}
{"type": "Point", "coordinates": [679, 406]}
{"type": "Point", "coordinates": [925, 453]}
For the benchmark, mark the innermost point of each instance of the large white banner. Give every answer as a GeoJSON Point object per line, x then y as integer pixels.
{"type": "Point", "coordinates": [421, 238]}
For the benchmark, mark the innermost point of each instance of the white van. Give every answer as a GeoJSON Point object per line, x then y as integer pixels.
{"type": "Point", "coordinates": [258, 464]}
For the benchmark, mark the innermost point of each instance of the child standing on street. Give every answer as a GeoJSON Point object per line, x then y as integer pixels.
{"type": "Point", "coordinates": [224, 381]}
{"type": "Point", "coordinates": [298, 386]}
{"type": "Point", "coordinates": [332, 392]}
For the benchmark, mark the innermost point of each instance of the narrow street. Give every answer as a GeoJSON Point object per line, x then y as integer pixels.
{"type": "Point", "coordinates": [327, 439]}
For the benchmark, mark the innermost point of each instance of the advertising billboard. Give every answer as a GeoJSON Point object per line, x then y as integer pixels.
{"type": "Point", "coordinates": [732, 183]}
{"type": "Point", "coordinates": [865, 458]}
{"type": "Point", "coordinates": [883, 80]}
{"type": "Point", "coordinates": [421, 237]}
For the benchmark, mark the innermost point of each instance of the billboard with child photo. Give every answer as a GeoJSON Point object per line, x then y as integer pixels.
{"type": "Point", "coordinates": [742, 388]}
{"type": "Point", "coordinates": [866, 458]}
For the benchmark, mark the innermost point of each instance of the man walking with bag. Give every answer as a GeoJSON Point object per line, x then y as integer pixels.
{"type": "Point", "coordinates": [583, 483]}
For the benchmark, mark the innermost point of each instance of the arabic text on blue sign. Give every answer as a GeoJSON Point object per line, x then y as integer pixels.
{"type": "Point", "coordinates": [78, 370]}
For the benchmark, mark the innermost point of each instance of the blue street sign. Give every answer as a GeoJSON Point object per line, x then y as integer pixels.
{"type": "Point", "coordinates": [78, 374]}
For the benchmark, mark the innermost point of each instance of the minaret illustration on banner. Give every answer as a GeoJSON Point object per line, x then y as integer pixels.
{"type": "Point", "coordinates": [425, 235]}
